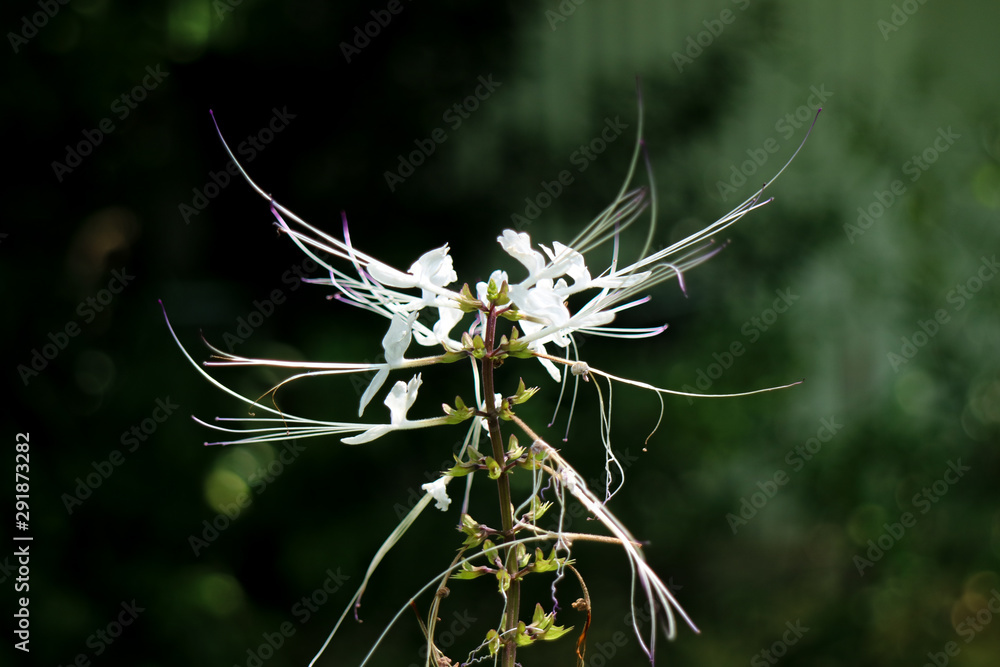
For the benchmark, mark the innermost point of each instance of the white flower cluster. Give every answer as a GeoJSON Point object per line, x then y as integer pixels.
{"type": "Point", "coordinates": [539, 304]}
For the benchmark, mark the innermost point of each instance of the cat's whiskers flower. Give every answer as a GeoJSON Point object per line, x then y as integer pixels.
{"type": "Point", "coordinates": [557, 275]}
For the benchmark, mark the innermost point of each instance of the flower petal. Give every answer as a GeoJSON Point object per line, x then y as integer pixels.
{"type": "Point", "coordinates": [567, 261]}
{"type": "Point", "coordinates": [438, 492]}
{"type": "Point", "coordinates": [542, 302]}
{"type": "Point", "coordinates": [387, 275]}
{"type": "Point", "coordinates": [372, 389]}
{"type": "Point", "coordinates": [434, 268]}
{"type": "Point", "coordinates": [369, 435]}
{"type": "Point", "coordinates": [397, 338]}
{"type": "Point", "coordinates": [401, 398]}
{"type": "Point", "coordinates": [518, 246]}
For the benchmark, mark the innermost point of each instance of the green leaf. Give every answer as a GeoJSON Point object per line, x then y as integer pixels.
{"type": "Point", "coordinates": [503, 577]}
{"type": "Point", "coordinates": [470, 571]}
{"type": "Point", "coordinates": [474, 534]}
{"type": "Point", "coordinates": [462, 468]}
{"type": "Point", "coordinates": [522, 395]}
{"type": "Point", "coordinates": [493, 641]}
{"type": "Point", "coordinates": [459, 470]}
{"type": "Point", "coordinates": [497, 295]}
{"type": "Point", "coordinates": [468, 302]}
{"type": "Point", "coordinates": [514, 452]}
{"type": "Point", "coordinates": [521, 637]}
{"type": "Point", "coordinates": [549, 564]}
{"type": "Point", "coordinates": [522, 555]}
{"type": "Point", "coordinates": [513, 314]}
{"type": "Point", "coordinates": [490, 550]}
{"type": "Point", "coordinates": [555, 632]}
{"type": "Point", "coordinates": [493, 468]}
{"type": "Point", "coordinates": [542, 627]}
{"type": "Point", "coordinates": [538, 508]}
{"type": "Point", "coordinates": [535, 458]}
{"type": "Point", "coordinates": [538, 616]}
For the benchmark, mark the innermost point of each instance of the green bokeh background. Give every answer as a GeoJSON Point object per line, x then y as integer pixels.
{"type": "Point", "coordinates": [860, 292]}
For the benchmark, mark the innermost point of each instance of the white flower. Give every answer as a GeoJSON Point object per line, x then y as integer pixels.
{"type": "Point", "coordinates": [518, 246]}
{"type": "Point", "coordinates": [541, 304]}
{"type": "Point", "coordinates": [433, 270]}
{"type": "Point", "coordinates": [438, 492]}
{"type": "Point", "coordinates": [395, 342]}
{"type": "Point", "coordinates": [399, 401]}
{"type": "Point", "coordinates": [285, 426]}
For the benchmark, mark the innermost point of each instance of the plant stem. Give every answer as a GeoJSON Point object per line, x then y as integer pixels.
{"type": "Point", "coordinates": [503, 485]}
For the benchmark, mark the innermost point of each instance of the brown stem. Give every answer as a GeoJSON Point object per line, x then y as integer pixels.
{"type": "Point", "coordinates": [503, 485]}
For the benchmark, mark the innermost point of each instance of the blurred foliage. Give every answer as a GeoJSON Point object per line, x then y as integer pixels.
{"type": "Point", "coordinates": [862, 291]}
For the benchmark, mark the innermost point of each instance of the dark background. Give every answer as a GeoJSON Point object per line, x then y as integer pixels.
{"type": "Point", "coordinates": [860, 291]}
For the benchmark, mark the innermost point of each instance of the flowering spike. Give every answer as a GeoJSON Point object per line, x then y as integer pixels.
{"type": "Point", "coordinates": [557, 297]}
